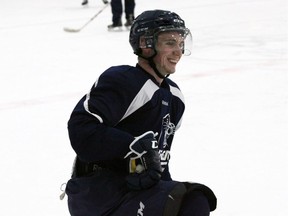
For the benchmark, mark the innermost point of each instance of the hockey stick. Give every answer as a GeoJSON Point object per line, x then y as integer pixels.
{"type": "Point", "coordinates": [66, 29]}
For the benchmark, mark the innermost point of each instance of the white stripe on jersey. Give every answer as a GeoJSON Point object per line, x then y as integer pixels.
{"type": "Point", "coordinates": [144, 95]}
{"type": "Point", "coordinates": [176, 92]}
{"type": "Point", "coordinates": [86, 106]}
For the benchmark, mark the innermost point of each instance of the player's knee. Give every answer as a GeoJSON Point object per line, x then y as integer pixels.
{"type": "Point", "coordinates": [194, 203]}
{"type": "Point", "coordinates": [174, 200]}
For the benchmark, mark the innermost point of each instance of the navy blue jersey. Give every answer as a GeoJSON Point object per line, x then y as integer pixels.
{"type": "Point", "coordinates": [125, 102]}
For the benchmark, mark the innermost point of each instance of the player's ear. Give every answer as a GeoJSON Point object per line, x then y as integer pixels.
{"type": "Point", "coordinates": [142, 42]}
{"type": "Point", "coordinates": [146, 51]}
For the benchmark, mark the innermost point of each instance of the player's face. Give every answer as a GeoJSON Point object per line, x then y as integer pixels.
{"type": "Point", "coordinates": [169, 48]}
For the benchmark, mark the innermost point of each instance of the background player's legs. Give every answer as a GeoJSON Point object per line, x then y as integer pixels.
{"type": "Point", "coordinates": [117, 10]}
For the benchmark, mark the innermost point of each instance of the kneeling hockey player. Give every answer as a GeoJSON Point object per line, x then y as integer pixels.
{"type": "Point", "coordinates": [122, 131]}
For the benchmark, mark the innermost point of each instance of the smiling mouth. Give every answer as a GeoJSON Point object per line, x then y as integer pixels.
{"type": "Point", "coordinates": [173, 61]}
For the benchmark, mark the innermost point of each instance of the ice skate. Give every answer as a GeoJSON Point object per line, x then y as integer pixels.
{"type": "Point", "coordinates": [85, 2]}
{"type": "Point", "coordinates": [129, 21]}
{"type": "Point", "coordinates": [115, 27]}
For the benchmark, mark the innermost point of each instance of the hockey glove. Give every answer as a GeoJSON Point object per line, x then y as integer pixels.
{"type": "Point", "coordinates": [144, 162]}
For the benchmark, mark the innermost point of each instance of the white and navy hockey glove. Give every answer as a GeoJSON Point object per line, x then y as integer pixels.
{"type": "Point", "coordinates": [144, 162]}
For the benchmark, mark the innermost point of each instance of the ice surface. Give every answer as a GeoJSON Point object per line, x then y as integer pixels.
{"type": "Point", "coordinates": [234, 136]}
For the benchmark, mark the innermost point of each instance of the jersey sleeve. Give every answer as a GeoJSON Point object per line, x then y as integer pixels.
{"type": "Point", "coordinates": [107, 100]}
{"type": "Point", "coordinates": [91, 125]}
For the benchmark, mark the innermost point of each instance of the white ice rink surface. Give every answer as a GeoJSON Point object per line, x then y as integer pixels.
{"type": "Point", "coordinates": [234, 136]}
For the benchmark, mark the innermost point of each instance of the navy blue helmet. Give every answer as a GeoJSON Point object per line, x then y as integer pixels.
{"type": "Point", "coordinates": [150, 23]}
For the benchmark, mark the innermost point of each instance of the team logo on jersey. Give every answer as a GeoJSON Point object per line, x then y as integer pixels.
{"type": "Point", "coordinates": [164, 157]}
{"type": "Point", "coordinates": [141, 209]}
{"type": "Point", "coordinates": [168, 128]}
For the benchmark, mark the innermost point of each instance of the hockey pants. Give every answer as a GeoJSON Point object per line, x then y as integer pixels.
{"type": "Point", "coordinates": [105, 194]}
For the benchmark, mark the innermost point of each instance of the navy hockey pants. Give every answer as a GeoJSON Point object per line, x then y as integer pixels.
{"type": "Point", "coordinates": [105, 194]}
{"type": "Point", "coordinates": [117, 9]}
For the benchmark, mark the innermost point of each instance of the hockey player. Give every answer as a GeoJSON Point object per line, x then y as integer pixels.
{"type": "Point", "coordinates": [117, 11]}
{"type": "Point", "coordinates": [85, 2]}
{"type": "Point", "coordinates": [122, 132]}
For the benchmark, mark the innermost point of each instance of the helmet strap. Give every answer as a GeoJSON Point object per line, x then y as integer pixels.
{"type": "Point", "coordinates": [153, 65]}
